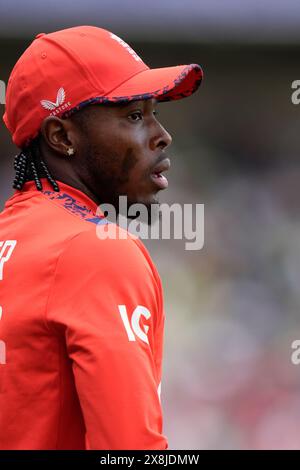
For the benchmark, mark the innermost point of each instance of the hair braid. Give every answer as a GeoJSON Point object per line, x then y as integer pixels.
{"type": "Point", "coordinates": [29, 166]}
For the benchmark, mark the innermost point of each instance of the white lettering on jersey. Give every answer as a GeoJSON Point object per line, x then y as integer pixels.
{"type": "Point", "coordinates": [5, 254]}
{"type": "Point", "coordinates": [133, 328]}
{"type": "Point", "coordinates": [6, 249]}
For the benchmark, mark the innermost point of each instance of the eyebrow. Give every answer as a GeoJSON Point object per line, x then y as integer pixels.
{"type": "Point", "coordinates": [130, 103]}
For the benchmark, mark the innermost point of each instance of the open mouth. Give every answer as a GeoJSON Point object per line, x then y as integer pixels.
{"type": "Point", "coordinates": [160, 180]}
{"type": "Point", "coordinates": [157, 175]}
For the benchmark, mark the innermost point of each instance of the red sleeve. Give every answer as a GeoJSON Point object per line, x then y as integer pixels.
{"type": "Point", "coordinates": [106, 299]}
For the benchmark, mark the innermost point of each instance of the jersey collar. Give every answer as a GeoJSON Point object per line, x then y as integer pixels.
{"type": "Point", "coordinates": [70, 198]}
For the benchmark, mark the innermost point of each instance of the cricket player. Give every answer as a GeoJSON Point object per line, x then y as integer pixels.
{"type": "Point", "coordinates": [81, 315]}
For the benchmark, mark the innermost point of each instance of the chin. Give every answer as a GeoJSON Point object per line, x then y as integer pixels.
{"type": "Point", "coordinates": [151, 204]}
{"type": "Point", "coordinates": [147, 200]}
{"type": "Point", "coordinates": [151, 199]}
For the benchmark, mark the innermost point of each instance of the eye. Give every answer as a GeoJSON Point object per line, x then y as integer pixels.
{"type": "Point", "coordinates": [135, 116]}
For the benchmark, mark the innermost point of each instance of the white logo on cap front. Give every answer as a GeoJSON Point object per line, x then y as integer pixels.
{"type": "Point", "coordinates": [126, 46]}
{"type": "Point", "coordinates": [59, 104]}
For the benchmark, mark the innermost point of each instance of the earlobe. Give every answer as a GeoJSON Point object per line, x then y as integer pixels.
{"type": "Point", "coordinates": [57, 134]}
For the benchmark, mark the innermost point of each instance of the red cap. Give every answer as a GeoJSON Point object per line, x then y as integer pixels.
{"type": "Point", "coordinates": [61, 72]}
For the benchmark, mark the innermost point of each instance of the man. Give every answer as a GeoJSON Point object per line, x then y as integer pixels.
{"type": "Point", "coordinates": [82, 316]}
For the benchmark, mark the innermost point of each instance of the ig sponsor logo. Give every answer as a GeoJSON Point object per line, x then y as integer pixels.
{"type": "Point", "coordinates": [132, 326]}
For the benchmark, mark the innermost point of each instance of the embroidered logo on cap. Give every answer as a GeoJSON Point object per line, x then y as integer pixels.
{"type": "Point", "coordinates": [60, 98]}
{"type": "Point", "coordinates": [126, 46]}
{"type": "Point", "coordinates": [59, 104]}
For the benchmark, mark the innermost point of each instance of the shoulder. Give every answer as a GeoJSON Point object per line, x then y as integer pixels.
{"type": "Point", "coordinates": [101, 273]}
{"type": "Point", "coordinates": [110, 250]}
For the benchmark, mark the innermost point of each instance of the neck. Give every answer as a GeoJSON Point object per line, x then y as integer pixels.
{"type": "Point", "coordinates": [75, 183]}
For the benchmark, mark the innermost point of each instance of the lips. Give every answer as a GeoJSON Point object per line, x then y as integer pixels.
{"type": "Point", "coordinates": [159, 179]}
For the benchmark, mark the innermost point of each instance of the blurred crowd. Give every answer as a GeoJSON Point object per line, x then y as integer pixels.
{"type": "Point", "coordinates": [232, 313]}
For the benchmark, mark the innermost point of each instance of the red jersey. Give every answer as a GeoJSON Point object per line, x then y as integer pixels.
{"type": "Point", "coordinates": [81, 328]}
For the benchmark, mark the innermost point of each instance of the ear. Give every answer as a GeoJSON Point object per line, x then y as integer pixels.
{"type": "Point", "coordinates": [59, 134]}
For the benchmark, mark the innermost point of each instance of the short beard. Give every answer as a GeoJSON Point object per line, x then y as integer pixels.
{"type": "Point", "coordinates": [149, 217]}
{"type": "Point", "coordinates": [109, 186]}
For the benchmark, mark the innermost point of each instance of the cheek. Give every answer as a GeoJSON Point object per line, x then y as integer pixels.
{"type": "Point", "coordinates": [129, 162]}
{"type": "Point", "coordinates": [120, 151]}
{"type": "Point", "coordinates": [135, 168]}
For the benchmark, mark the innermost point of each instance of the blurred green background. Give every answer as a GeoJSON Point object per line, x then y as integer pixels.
{"type": "Point", "coordinates": [232, 308]}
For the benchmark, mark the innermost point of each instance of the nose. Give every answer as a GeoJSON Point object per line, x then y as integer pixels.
{"type": "Point", "coordinates": [161, 138]}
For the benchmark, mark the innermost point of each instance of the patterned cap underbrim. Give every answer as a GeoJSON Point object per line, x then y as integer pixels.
{"type": "Point", "coordinates": [170, 92]}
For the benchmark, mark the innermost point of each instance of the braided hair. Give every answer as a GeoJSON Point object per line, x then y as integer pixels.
{"type": "Point", "coordinates": [29, 166]}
